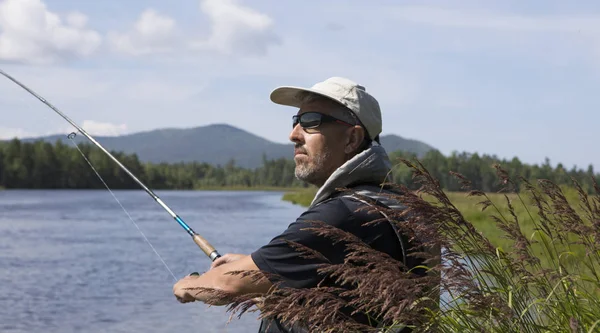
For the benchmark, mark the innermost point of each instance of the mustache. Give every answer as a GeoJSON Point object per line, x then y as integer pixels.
{"type": "Point", "coordinates": [298, 148]}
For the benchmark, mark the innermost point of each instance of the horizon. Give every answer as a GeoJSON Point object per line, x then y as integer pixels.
{"type": "Point", "coordinates": [501, 78]}
{"type": "Point", "coordinates": [491, 154]}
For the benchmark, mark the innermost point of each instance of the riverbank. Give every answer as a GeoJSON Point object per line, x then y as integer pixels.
{"type": "Point", "coordinates": [249, 188]}
{"type": "Point", "coordinates": [302, 197]}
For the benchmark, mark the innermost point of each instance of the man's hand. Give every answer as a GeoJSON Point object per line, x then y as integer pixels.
{"type": "Point", "coordinates": [218, 278]}
{"type": "Point", "coordinates": [227, 258]}
{"type": "Point", "coordinates": [179, 291]}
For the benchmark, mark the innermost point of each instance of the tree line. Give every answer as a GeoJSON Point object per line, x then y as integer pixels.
{"type": "Point", "coordinates": [479, 170]}
{"type": "Point", "coordinates": [42, 165]}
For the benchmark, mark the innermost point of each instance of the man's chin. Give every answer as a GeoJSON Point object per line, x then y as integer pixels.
{"type": "Point", "coordinates": [306, 176]}
{"type": "Point", "coordinates": [302, 174]}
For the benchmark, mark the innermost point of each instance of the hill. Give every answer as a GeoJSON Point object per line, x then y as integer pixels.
{"type": "Point", "coordinates": [215, 144]}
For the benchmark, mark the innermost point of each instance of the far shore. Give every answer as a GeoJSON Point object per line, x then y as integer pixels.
{"type": "Point", "coordinates": [202, 188]}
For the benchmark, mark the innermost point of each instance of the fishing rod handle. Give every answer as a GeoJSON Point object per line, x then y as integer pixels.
{"type": "Point", "coordinates": [205, 246]}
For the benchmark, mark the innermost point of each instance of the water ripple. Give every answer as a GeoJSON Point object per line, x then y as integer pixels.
{"type": "Point", "coordinates": [72, 261]}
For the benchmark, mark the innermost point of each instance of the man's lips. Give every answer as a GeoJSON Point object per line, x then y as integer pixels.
{"type": "Point", "coordinates": [299, 152]}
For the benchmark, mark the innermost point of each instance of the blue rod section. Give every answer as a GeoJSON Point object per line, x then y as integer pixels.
{"type": "Point", "coordinates": [184, 225]}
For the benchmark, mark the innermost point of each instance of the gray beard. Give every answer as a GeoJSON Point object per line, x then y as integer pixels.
{"type": "Point", "coordinates": [312, 171]}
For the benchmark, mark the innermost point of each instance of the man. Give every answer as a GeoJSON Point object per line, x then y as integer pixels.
{"type": "Point", "coordinates": [336, 135]}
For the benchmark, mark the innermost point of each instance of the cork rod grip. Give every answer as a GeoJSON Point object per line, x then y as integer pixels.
{"type": "Point", "coordinates": [204, 245]}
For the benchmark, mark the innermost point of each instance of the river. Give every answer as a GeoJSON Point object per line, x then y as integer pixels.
{"type": "Point", "coordinates": [72, 261]}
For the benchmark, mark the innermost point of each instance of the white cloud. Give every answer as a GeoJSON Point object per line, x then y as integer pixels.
{"type": "Point", "coordinates": [103, 129]}
{"type": "Point", "coordinates": [239, 29]}
{"type": "Point", "coordinates": [77, 20]}
{"type": "Point", "coordinates": [558, 39]}
{"type": "Point", "coordinates": [134, 97]}
{"type": "Point", "coordinates": [445, 17]}
{"type": "Point", "coordinates": [11, 133]}
{"type": "Point", "coordinates": [91, 126]}
{"type": "Point", "coordinates": [29, 33]}
{"type": "Point", "coordinates": [232, 29]}
{"type": "Point", "coordinates": [151, 33]}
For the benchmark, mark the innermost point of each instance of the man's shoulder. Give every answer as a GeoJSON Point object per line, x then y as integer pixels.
{"type": "Point", "coordinates": [331, 211]}
{"type": "Point", "coordinates": [343, 202]}
{"type": "Point", "coordinates": [386, 196]}
{"type": "Point", "coordinates": [341, 206]}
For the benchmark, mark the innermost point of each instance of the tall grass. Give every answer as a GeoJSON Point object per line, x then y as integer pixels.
{"type": "Point", "coordinates": [535, 283]}
{"type": "Point", "coordinates": [541, 278]}
{"type": "Point", "coordinates": [469, 208]}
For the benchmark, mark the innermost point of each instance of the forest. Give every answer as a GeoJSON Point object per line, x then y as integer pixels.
{"type": "Point", "coordinates": [42, 165]}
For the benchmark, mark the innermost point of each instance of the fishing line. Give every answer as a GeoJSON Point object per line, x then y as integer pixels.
{"type": "Point", "coordinates": [71, 136]}
{"type": "Point", "coordinates": [202, 243]}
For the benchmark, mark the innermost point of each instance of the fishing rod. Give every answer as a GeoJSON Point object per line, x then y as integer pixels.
{"type": "Point", "coordinates": [204, 245]}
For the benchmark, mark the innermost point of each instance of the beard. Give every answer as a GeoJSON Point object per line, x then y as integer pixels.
{"type": "Point", "coordinates": [311, 168]}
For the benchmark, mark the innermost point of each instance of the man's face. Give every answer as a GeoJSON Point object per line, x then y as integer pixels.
{"type": "Point", "coordinates": [319, 152]}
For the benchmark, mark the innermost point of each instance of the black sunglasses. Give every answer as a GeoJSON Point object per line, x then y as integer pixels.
{"type": "Point", "coordinates": [314, 119]}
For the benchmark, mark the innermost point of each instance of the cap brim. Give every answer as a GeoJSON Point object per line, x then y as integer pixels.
{"type": "Point", "coordinates": [289, 95]}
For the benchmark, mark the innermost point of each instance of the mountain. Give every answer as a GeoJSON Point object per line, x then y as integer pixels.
{"type": "Point", "coordinates": [393, 143]}
{"type": "Point", "coordinates": [215, 144]}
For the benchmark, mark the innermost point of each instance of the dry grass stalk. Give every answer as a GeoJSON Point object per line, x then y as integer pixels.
{"type": "Point", "coordinates": [484, 288]}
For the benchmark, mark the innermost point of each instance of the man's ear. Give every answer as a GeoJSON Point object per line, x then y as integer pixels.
{"type": "Point", "coordinates": [355, 138]}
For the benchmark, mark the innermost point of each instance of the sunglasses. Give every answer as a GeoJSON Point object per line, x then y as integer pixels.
{"type": "Point", "coordinates": [310, 120]}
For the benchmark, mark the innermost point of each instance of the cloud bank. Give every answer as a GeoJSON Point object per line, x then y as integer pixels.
{"type": "Point", "coordinates": [30, 33]}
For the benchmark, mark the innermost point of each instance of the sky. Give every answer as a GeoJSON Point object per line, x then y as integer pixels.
{"type": "Point", "coordinates": [505, 78]}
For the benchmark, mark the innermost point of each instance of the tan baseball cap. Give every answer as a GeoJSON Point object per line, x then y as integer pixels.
{"type": "Point", "coordinates": [342, 90]}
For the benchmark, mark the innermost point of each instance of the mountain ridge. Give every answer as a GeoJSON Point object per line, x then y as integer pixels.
{"type": "Point", "coordinates": [215, 144]}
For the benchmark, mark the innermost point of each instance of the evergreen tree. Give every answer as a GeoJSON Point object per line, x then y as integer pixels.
{"type": "Point", "coordinates": [45, 165]}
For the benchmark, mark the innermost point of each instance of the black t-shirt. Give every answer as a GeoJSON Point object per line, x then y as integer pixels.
{"type": "Point", "coordinates": [295, 271]}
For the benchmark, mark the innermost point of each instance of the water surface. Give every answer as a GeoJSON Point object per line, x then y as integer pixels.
{"type": "Point", "coordinates": [72, 261]}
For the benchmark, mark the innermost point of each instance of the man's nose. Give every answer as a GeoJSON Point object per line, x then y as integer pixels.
{"type": "Point", "coordinates": [296, 134]}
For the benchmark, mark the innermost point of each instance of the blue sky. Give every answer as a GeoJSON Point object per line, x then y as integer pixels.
{"type": "Point", "coordinates": [499, 77]}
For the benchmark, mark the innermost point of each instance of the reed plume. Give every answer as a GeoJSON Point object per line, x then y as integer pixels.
{"type": "Point", "coordinates": [547, 281]}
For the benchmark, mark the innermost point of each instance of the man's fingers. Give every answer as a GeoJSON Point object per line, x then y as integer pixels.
{"type": "Point", "coordinates": [216, 264]}
{"type": "Point", "coordinates": [184, 300]}
{"type": "Point", "coordinates": [227, 258]}
{"type": "Point", "coordinates": [220, 261]}
{"type": "Point", "coordinates": [179, 289]}
{"type": "Point", "coordinates": [183, 296]}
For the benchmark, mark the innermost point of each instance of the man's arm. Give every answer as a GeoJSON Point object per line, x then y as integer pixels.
{"type": "Point", "coordinates": [278, 258]}
{"type": "Point", "coordinates": [217, 278]}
